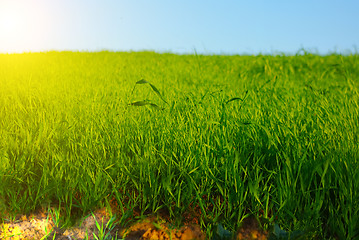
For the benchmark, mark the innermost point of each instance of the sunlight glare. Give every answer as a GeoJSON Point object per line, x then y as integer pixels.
{"type": "Point", "coordinates": [22, 26]}
{"type": "Point", "coordinates": [9, 24]}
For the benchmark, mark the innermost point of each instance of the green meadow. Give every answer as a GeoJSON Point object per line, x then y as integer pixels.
{"type": "Point", "coordinates": [273, 137]}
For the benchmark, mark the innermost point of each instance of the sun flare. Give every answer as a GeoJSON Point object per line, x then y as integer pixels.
{"type": "Point", "coordinates": [9, 23]}
{"type": "Point", "coordinates": [21, 26]}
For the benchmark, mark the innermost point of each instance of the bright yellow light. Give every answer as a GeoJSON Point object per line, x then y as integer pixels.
{"type": "Point", "coordinates": [9, 24]}
{"type": "Point", "coordinates": [22, 26]}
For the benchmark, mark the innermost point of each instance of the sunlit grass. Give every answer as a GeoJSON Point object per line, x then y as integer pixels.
{"type": "Point", "coordinates": [275, 137]}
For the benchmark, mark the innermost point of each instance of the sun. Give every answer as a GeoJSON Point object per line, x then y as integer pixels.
{"type": "Point", "coordinates": [10, 23]}
{"type": "Point", "coordinates": [21, 26]}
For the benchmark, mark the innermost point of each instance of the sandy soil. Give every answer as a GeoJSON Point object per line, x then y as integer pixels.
{"type": "Point", "coordinates": [41, 226]}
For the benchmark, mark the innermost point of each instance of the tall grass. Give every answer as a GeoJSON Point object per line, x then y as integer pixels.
{"type": "Point", "coordinates": [275, 137]}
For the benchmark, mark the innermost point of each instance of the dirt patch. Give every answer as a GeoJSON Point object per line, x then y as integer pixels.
{"type": "Point", "coordinates": [151, 229]}
{"type": "Point", "coordinates": [33, 226]}
{"type": "Point", "coordinates": [41, 226]}
{"type": "Point", "coordinates": [251, 231]}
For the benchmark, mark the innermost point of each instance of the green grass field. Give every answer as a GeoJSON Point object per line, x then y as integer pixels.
{"type": "Point", "coordinates": [275, 137]}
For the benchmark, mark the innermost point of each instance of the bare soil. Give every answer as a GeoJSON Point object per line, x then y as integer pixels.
{"type": "Point", "coordinates": [40, 225]}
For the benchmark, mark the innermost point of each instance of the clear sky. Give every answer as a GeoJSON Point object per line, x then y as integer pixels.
{"type": "Point", "coordinates": [180, 26]}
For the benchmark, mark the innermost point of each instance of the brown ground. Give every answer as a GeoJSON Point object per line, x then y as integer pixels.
{"type": "Point", "coordinates": [40, 226]}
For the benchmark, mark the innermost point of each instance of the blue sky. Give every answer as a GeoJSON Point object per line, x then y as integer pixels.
{"type": "Point", "coordinates": [180, 26]}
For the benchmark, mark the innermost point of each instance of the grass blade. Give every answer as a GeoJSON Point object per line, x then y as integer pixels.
{"type": "Point", "coordinates": [142, 81]}
{"type": "Point", "coordinates": [157, 92]}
